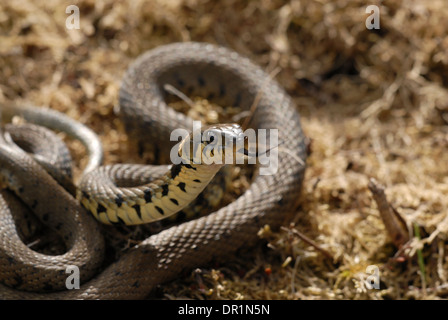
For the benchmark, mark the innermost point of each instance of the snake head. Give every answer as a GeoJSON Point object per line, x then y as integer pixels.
{"type": "Point", "coordinates": [214, 145]}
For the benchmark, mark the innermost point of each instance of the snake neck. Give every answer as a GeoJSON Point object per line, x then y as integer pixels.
{"type": "Point", "coordinates": [157, 200]}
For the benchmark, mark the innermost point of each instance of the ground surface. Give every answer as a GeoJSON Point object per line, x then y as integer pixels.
{"type": "Point", "coordinates": [373, 102]}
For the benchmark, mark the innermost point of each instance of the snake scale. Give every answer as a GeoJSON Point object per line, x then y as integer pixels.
{"type": "Point", "coordinates": [220, 75]}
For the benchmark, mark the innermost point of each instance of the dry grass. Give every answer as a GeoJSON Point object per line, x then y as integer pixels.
{"type": "Point", "coordinates": [374, 103]}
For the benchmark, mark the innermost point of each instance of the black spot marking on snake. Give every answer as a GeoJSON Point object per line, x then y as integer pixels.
{"type": "Point", "coordinates": [175, 170]}
{"type": "Point", "coordinates": [120, 221]}
{"type": "Point", "coordinates": [137, 209]}
{"type": "Point", "coordinates": [197, 180]}
{"type": "Point", "coordinates": [210, 96]}
{"type": "Point", "coordinates": [47, 287]}
{"type": "Point", "coordinates": [189, 166]}
{"type": "Point", "coordinates": [237, 101]}
{"type": "Point", "coordinates": [117, 224]}
{"type": "Point", "coordinates": [59, 226]}
{"type": "Point", "coordinates": [119, 200]}
{"type": "Point", "coordinates": [68, 236]}
{"type": "Point", "coordinates": [140, 145]}
{"type": "Point", "coordinates": [45, 217]}
{"type": "Point", "coordinates": [19, 281]}
{"type": "Point", "coordinates": [180, 82]}
{"type": "Point", "coordinates": [20, 189]}
{"type": "Point", "coordinates": [147, 194]}
{"type": "Point", "coordinates": [165, 189]}
{"type": "Point", "coordinates": [34, 205]}
{"type": "Point", "coordinates": [222, 90]}
{"type": "Point", "coordinates": [11, 260]}
{"type": "Point", "coordinates": [181, 186]}
{"type": "Point", "coordinates": [201, 81]}
{"type": "Point", "coordinates": [174, 201]}
{"type": "Point", "coordinates": [101, 208]}
{"type": "Point", "coordinates": [160, 210]}
{"type": "Point", "coordinates": [136, 284]}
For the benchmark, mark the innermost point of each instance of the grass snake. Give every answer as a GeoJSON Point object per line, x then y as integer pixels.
{"type": "Point", "coordinates": [216, 73]}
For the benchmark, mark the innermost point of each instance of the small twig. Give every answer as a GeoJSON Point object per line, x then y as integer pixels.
{"type": "Point", "coordinates": [294, 272]}
{"type": "Point", "coordinates": [169, 88]}
{"type": "Point", "coordinates": [241, 115]}
{"type": "Point", "coordinates": [394, 223]}
{"type": "Point", "coordinates": [292, 154]}
{"type": "Point", "coordinates": [257, 99]}
{"type": "Point", "coordinates": [383, 103]}
{"type": "Point", "coordinates": [309, 241]}
{"type": "Point", "coordinates": [33, 243]}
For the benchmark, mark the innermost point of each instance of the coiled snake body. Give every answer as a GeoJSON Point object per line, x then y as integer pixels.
{"type": "Point", "coordinates": [216, 73]}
